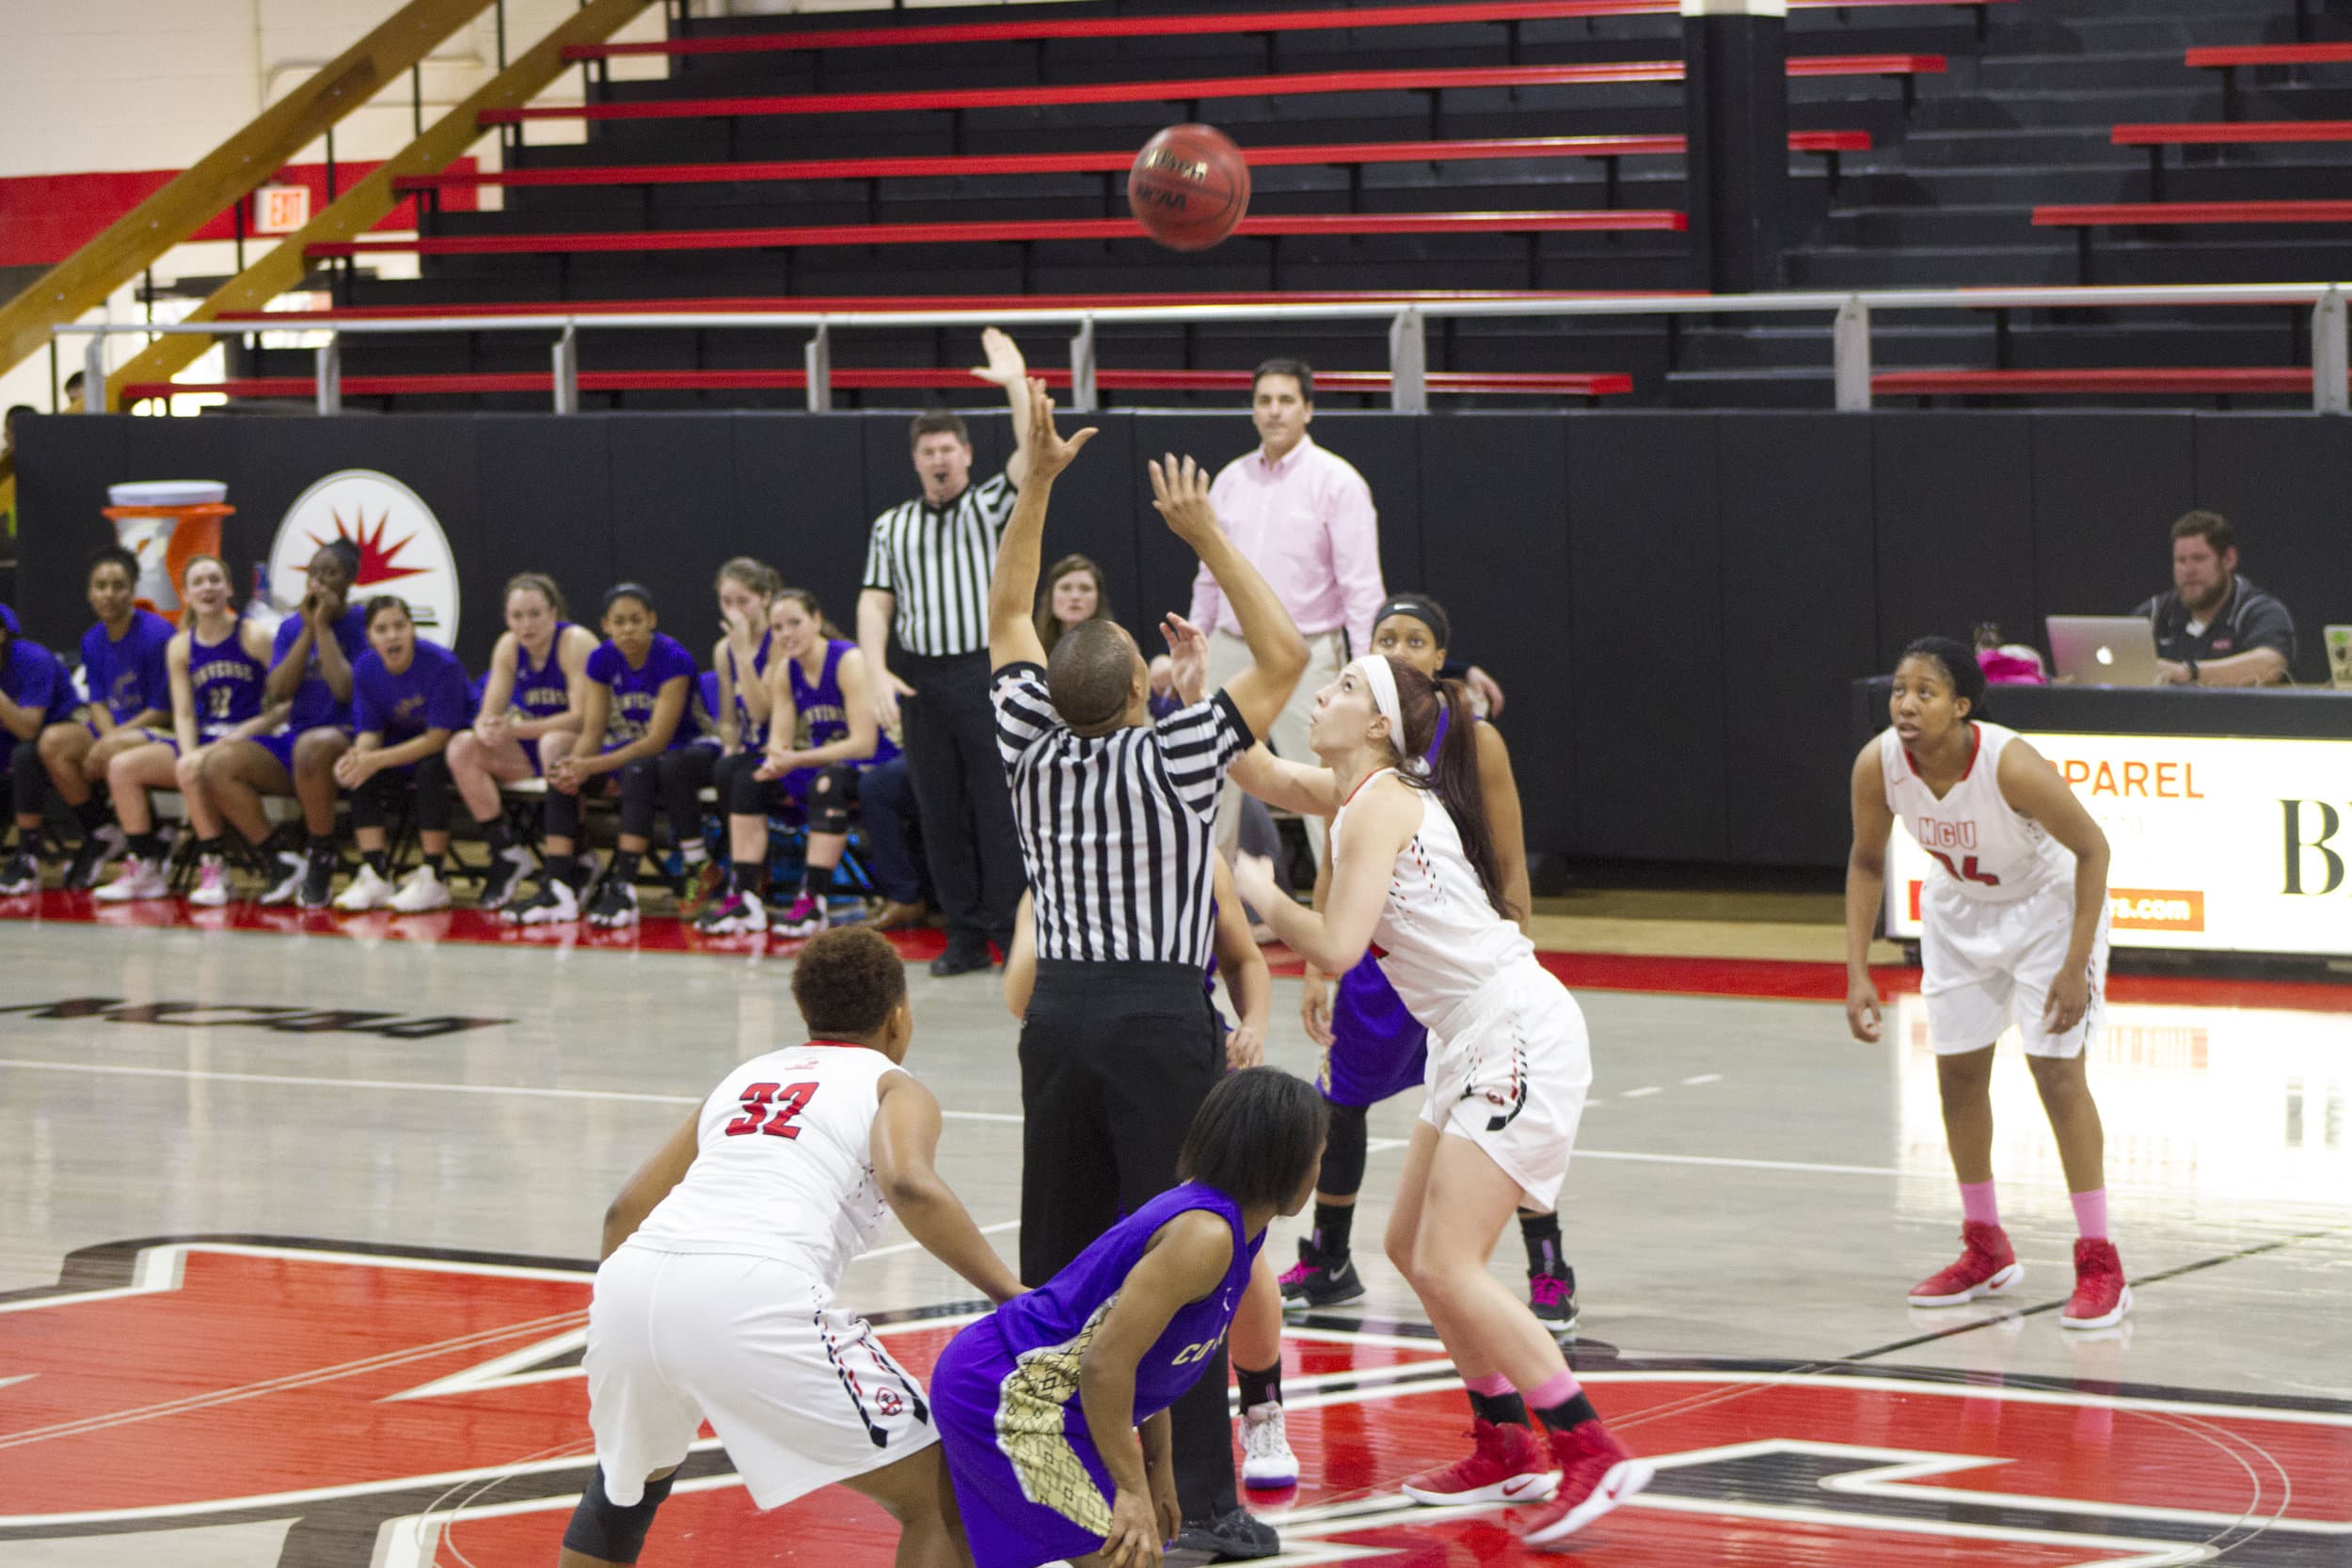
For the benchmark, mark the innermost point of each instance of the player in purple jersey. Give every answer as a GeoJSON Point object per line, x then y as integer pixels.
{"type": "Point", "coordinates": [1372, 1048]}
{"type": "Point", "coordinates": [315, 652]}
{"type": "Point", "coordinates": [639, 684]}
{"type": "Point", "coordinates": [739, 664]}
{"type": "Point", "coordinates": [217, 664]}
{"type": "Point", "coordinates": [33, 690]}
{"type": "Point", "coordinates": [409, 698]}
{"type": "Point", "coordinates": [123, 670]}
{"type": "Point", "coordinates": [527, 720]}
{"type": "Point", "coordinates": [1053, 1408]}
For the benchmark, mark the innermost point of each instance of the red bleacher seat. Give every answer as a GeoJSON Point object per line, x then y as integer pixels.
{"type": "Point", "coordinates": [2204, 133]}
{"type": "Point", "coordinates": [1190, 89]}
{"type": "Point", "coordinates": [2230, 55]}
{"type": "Point", "coordinates": [1011, 229]}
{"type": "Point", "coordinates": [1111, 161]}
{"type": "Point", "coordinates": [2091, 214]}
{"type": "Point", "coordinates": [1564, 384]}
{"type": "Point", "coordinates": [1171, 27]}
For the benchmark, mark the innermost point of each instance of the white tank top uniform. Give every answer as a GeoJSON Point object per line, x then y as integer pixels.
{"type": "Point", "coordinates": [721, 1305]}
{"type": "Point", "coordinates": [1509, 1059]}
{"type": "Point", "coordinates": [1997, 912]}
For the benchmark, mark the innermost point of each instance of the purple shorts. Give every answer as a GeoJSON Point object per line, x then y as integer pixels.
{"type": "Point", "coordinates": [1005, 1526]}
{"type": "Point", "coordinates": [280, 743]}
{"type": "Point", "coordinates": [1377, 1049]}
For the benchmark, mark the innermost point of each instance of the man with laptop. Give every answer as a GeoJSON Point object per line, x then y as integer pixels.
{"type": "Point", "coordinates": [2213, 629]}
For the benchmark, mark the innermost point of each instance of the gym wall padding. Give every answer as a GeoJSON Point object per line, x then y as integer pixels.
{"type": "Point", "coordinates": [1676, 603]}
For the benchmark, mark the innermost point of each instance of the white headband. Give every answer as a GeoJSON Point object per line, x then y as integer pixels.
{"type": "Point", "coordinates": [1382, 680]}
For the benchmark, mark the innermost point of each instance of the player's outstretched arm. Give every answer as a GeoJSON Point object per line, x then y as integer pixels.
{"type": "Point", "coordinates": [1295, 787]}
{"type": "Point", "coordinates": [1277, 654]}
{"type": "Point", "coordinates": [650, 1184]}
{"type": "Point", "coordinates": [1866, 889]}
{"type": "Point", "coordinates": [1335, 937]}
{"type": "Point", "coordinates": [905, 1141]}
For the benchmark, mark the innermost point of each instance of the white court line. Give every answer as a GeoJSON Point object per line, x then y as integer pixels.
{"type": "Point", "coordinates": [917, 1246]}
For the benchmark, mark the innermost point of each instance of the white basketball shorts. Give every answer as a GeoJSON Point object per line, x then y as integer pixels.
{"type": "Point", "coordinates": [799, 1391]}
{"type": "Point", "coordinates": [1987, 966]}
{"type": "Point", "coordinates": [1510, 1074]}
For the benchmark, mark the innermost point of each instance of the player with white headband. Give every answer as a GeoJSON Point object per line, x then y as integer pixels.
{"type": "Point", "coordinates": [1414, 882]}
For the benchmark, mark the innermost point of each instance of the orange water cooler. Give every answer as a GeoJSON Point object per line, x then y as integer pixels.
{"type": "Point", "coordinates": [164, 522]}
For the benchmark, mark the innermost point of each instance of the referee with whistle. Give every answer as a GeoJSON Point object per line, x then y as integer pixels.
{"type": "Point", "coordinates": [1117, 814]}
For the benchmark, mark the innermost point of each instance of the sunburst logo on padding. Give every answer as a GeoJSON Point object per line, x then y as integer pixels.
{"type": "Point", "coordinates": [401, 548]}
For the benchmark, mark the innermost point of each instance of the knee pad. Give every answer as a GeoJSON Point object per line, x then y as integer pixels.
{"type": "Point", "coordinates": [433, 793]}
{"type": "Point", "coordinates": [829, 800]}
{"type": "Point", "coordinates": [602, 1529]}
{"type": "Point", "coordinates": [367, 802]}
{"type": "Point", "coordinates": [748, 794]}
{"type": "Point", "coordinates": [1345, 1148]}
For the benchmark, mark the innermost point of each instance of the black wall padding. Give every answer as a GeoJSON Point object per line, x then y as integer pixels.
{"type": "Point", "coordinates": [1677, 603]}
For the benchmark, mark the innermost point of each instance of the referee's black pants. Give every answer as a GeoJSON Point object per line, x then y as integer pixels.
{"type": "Point", "coordinates": [961, 798]}
{"type": "Point", "coordinates": [1115, 1059]}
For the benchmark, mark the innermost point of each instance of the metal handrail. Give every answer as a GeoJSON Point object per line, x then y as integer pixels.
{"type": "Point", "coordinates": [1851, 313]}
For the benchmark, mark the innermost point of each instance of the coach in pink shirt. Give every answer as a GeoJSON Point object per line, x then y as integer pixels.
{"type": "Point", "coordinates": [1304, 517]}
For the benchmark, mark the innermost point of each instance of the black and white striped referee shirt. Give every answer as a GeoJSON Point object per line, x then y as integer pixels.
{"type": "Point", "coordinates": [937, 560]}
{"type": "Point", "coordinates": [1117, 828]}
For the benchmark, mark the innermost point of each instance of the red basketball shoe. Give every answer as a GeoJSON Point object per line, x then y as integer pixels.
{"type": "Point", "coordinates": [1508, 1465]}
{"type": "Point", "coordinates": [2101, 1295]}
{"type": "Point", "coordinates": [1596, 1473]}
{"type": "Point", "coordinates": [1988, 1266]}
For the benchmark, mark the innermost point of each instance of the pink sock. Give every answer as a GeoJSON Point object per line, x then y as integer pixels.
{"type": "Point", "coordinates": [1558, 1389]}
{"type": "Point", "coordinates": [2091, 1213]}
{"type": "Point", "coordinates": [1977, 1205]}
{"type": "Point", "coordinates": [1491, 1386]}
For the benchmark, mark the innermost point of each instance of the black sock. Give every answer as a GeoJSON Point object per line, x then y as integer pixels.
{"type": "Point", "coordinates": [1573, 1411]}
{"type": "Point", "coordinates": [1332, 1224]}
{"type": "Point", "coordinates": [376, 859]}
{"type": "Point", "coordinates": [625, 863]}
{"type": "Point", "coordinates": [495, 837]}
{"type": "Point", "coordinates": [1503, 1410]}
{"type": "Point", "coordinates": [432, 863]}
{"type": "Point", "coordinates": [560, 867]}
{"type": "Point", "coordinates": [816, 880]}
{"type": "Point", "coordinates": [322, 846]}
{"type": "Point", "coordinates": [91, 815]}
{"type": "Point", "coordinates": [212, 849]}
{"type": "Point", "coordinates": [751, 878]}
{"type": "Point", "coordinates": [146, 845]}
{"type": "Point", "coordinates": [1541, 1232]}
{"type": "Point", "coordinates": [1264, 1387]}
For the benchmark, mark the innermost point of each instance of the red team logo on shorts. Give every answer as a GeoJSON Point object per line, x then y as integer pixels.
{"type": "Point", "coordinates": [343, 1406]}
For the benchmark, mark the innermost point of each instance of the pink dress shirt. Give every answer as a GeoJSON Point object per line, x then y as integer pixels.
{"type": "Point", "coordinates": [1308, 524]}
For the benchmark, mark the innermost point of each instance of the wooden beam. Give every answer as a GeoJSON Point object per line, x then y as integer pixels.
{"type": "Point", "coordinates": [84, 280]}
{"type": "Point", "coordinates": [366, 203]}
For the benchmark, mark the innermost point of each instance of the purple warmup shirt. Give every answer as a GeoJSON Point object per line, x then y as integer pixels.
{"type": "Point", "coordinates": [431, 694]}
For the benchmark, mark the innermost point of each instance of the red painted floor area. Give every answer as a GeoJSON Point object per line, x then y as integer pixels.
{"type": "Point", "coordinates": [413, 1410]}
{"type": "Point", "coordinates": [1757, 978]}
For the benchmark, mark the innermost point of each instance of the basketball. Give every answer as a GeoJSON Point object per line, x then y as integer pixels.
{"type": "Point", "coordinates": [1189, 186]}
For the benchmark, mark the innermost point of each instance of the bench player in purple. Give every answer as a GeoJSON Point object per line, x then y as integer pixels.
{"type": "Point", "coordinates": [1053, 1407]}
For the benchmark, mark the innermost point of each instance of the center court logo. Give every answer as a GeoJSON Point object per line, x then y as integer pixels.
{"type": "Point", "coordinates": [401, 548]}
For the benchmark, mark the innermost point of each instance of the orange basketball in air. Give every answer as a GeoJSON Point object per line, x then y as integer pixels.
{"type": "Point", "coordinates": [1189, 186]}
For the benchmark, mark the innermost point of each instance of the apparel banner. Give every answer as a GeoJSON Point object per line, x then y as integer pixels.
{"type": "Point", "coordinates": [2219, 844]}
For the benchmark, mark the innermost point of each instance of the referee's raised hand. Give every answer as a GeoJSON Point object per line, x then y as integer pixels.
{"type": "Point", "coordinates": [1049, 454]}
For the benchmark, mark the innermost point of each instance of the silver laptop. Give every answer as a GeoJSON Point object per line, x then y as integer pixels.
{"type": "Point", "coordinates": [2104, 650]}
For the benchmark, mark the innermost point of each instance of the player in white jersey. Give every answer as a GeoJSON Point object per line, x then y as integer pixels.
{"type": "Point", "coordinates": [2015, 931]}
{"type": "Point", "coordinates": [722, 1256]}
{"type": "Point", "coordinates": [1414, 881]}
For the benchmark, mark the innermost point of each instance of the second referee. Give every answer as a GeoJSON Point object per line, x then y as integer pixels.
{"type": "Point", "coordinates": [1119, 1046]}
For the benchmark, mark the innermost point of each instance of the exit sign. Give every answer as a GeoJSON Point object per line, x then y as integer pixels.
{"type": "Point", "coordinates": [280, 209]}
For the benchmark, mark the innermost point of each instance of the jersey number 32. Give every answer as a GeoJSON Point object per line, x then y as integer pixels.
{"type": "Point", "coordinates": [771, 1109]}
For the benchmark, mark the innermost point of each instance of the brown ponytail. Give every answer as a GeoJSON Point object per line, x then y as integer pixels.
{"type": "Point", "coordinates": [1452, 775]}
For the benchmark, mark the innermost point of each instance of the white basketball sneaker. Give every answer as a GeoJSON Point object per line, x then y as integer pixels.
{"type": "Point", "coordinates": [368, 891]}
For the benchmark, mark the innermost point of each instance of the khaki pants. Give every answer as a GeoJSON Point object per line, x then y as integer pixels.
{"type": "Point", "coordinates": [1228, 656]}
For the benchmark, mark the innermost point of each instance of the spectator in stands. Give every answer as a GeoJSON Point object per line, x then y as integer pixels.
{"type": "Point", "coordinates": [528, 721]}
{"type": "Point", "coordinates": [928, 564]}
{"type": "Point", "coordinates": [2216, 628]}
{"type": "Point", "coordinates": [409, 698]}
{"type": "Point", "coordinates": [1073, 593]}
{"type": "Point", "coordinates": [73, 395]}
{"type": "Point", "coordinates": [123, 671]}
{"type": "Point", "coordinates": [7, 428]}
{"type": "Point", "coordinates": [1304, 517]}
{"type": "Point", "coordinates": [34, 689]}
